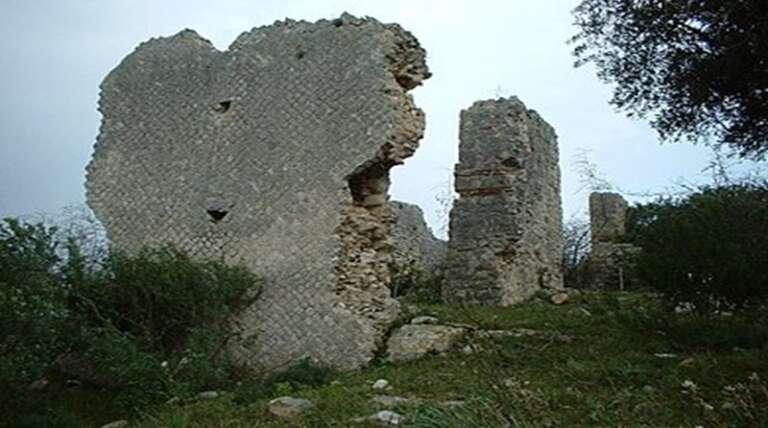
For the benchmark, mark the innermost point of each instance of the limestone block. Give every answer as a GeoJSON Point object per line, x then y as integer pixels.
{"type": "Point", "coordinates": [413, 341]}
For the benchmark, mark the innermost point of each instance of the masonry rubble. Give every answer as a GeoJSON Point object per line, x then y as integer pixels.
{"type": "Point", "coordinates": [274, 154]}
{"type": "Point", "coordinates": [505, 239]}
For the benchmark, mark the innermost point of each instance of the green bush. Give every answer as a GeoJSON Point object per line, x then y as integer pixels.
{"type": "Point", "coordinates": [158, 315]}
{"type": "Point", "coordinates": [148, 325]}
{"type": "Point", "coordinates": [33, 307]}
{"type": "Point", "coordinates": [706, 251]}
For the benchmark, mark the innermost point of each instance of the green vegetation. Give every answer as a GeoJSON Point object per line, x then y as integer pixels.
{"type": "Point", "coordinates": [688, 65]}
{"type": "Point", "coordinates": [707, 250]}
{"type": "Point", "coordinates": [139, 329]}
{"type": "Point", "coordinates": [603, 359]}
{"type": "Point", "coordinates": [144, 334]}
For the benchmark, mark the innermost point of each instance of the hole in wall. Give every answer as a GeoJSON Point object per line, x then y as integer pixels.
{"type": "Point", "coordinates": [511, 162]}
{"type": "Point", "coordinates": [300, 55]}
{"type": "Point", "coordinates": [222, 106]}
{"type": "Point", "coordinates": [370, 186]}
{"type": "Point", "coordinates": [217, 215]}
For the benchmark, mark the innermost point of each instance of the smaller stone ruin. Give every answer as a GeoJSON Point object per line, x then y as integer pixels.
{"type": "Point", "coordinates": [505, 228]}
{"type": "Point", "coordinates": [416, 249]}
{"type": "Point", "coordinates": [609, 258]}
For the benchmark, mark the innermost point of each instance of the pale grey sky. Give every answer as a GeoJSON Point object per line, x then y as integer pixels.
{"type": "Point", "coordinates": [54, 54]}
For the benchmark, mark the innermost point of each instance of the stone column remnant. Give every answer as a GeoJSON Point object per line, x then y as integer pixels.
{"type": "Point", "coordinates": [607, 216]}
{"type": "Point", "coordinates": [505, 228]}
{"type": "Point", "coordinates": [275, 155]}
{"type": "Point", "coordinates": [609, 258]}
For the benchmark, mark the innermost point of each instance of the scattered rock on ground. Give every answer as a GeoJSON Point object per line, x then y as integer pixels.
{"type": "Point", "coordinates": [424, 320]}
{"type": "Point", "coordinates": [208, 395]}
{"type": "Point", "coordinates": [410, 342]}
{"type": "Point", "coordinates": [517, 333]}
{"type": "Point", "coordinates": [665, 355]}
{"type": "Point", "coordinates": [116, 424]}
{"type": "Point", "coordinates": [387, 418]}
{"type": "Point", "coordinates": [380, 384]}
{"type": "Point", "coordinates": [38, 385]}
{"type": "Point", "coordinates": [559, 298]}
{"type": "Point", "coordinates": [453, 403]}
{"type": "Point", "coordinates": [391, 401]}
{"type": "Point", "coordinates": [289, 407]}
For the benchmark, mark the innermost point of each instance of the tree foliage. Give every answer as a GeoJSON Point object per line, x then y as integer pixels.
{"type": "Point", "coordinates": [708, 249]}
{"type": "Point", "coordinates": [697, 68]}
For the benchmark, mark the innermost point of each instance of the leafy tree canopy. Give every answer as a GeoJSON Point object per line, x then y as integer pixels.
{"type": "Point", "coordinates": [697, 68]}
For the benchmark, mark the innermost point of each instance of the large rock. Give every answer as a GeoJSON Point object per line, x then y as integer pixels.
{"type": "Point", "coordinates": [413, 341]}
{"type": "Point", "coordinates": [505, 231]}
{"type": "Point", "coordinates": [289, 407]}
{"type": "Point", "coordinates": [275, 155]}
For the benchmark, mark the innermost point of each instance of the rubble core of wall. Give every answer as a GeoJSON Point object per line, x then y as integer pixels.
{"type": "Point", "coordinates": [505, 228]}
{"type": "Point", "coordinates": [416, 249]}
{"type": "Point", "coordinates": [609, 259]}
{"type": "Point", "coordinates": [275, 155]}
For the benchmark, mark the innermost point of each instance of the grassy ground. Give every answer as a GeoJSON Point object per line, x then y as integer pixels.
{"type": "Point", "coordinates": [601, 359]}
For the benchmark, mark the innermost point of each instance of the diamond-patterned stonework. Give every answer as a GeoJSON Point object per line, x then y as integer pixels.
{"type": "Point", "coordinates": [274, 155]}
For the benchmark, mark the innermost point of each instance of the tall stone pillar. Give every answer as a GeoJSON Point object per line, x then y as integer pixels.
{"type": "Point", "coordinates": [607, 216]}
{"type": "Point", "coordinates": [609, 259]}
{"type": "Point", "coordinates": [505, 238]}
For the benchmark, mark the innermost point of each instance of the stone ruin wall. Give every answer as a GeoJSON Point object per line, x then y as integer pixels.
{"type": "Point", "coordinates": [607, 216]}
{"type": "Point", "coordinates": [505, 228]}
{"type": "Point", "coordinates": [608, 259]}
{"type": "Point", "coordinates": [416, 249]}
{"type": "Point", "coordinates": [274, 155]}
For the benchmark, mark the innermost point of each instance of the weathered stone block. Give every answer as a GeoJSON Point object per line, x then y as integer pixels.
{"type": "Point", "coordinates": [505, 239]}
{"type": "Point", "coordinates": [413, 341]}
{"type": "Point", "coordinates": [275, 155]}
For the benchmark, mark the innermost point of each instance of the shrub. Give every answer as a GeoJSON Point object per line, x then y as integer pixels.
{"type": "Point", "coordinates": [707, 250]}
{"type": "Point", "coordinates": [158, 314]}
{"type": "Point", "coordinates": [150, 325]}
{"type": "Point", "coordinates": [33, 306]}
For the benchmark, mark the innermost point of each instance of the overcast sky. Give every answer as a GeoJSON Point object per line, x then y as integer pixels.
{"type": "Point", "coordinates": [54, 54]}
